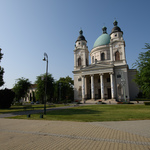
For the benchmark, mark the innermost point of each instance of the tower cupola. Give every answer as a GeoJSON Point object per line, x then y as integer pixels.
{"type": "Point", "coordinates": [81, 37]}
{"type": "Point", "coordinates": [81, 41]}
{"type": "Point", "coordinates": [116, 28]}
{"type": "Point", "coordinates": [116, 32]}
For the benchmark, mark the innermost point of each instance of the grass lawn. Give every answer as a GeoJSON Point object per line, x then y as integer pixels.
{"type": "Point", "coordinates": [20, 108]}
{"type": "Point", "coordinates": [93, 113]}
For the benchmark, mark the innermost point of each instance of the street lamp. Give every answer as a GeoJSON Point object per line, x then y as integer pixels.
{"type": "Point", "coordinates": [59, 91]}
{"type": "Point", "coordinates": [45, 59]}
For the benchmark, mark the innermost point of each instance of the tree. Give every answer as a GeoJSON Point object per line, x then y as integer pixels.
{"type": "Point", "coordinates": [40, 91]}
{"type": "Point", "coordinates": [143, 71]}
{"type": "Point", "coordinates": [21, 88]}
{"type": "Point", "coordinates": [6, 98]}
{"type": "Point", "coordinates": [64, 89]}
{"type": "Point", "coordinates": [1, 70]}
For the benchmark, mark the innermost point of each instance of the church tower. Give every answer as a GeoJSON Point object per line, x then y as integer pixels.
{"type": "Point", "coordinates": [117, 45]}
{"type": "Point", "coordinates": [81, 53]}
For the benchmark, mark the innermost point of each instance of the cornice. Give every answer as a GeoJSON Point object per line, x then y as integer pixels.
{"type": "Point", "coordinates": [99, 48]}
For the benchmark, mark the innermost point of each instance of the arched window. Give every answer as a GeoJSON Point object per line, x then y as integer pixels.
{"type": "Point", "coordinates": [79, 61]}
{"type": "Point", "coordinates": [117, 56]}
{"type": "Point", "coordinates": [102, 56]}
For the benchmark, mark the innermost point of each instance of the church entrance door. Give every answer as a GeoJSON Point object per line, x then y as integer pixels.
{"type": "Point", "coordinates": [99, 93]}
{"type": "Point", "coordinates": [109, 93]}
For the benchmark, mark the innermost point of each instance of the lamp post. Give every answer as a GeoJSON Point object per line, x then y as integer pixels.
{"type": "Point", "coordinates": [45, 59]}
{"type": "Point", "coordinates": [59, 92]}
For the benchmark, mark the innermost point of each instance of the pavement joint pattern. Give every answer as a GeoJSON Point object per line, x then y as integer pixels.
{"type": "Point", "coordinates": [78, 137]}
{"type": "Point", "coordinates": [21, 134]}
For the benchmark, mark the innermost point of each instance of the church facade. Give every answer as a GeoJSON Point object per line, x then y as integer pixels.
{"type": "Point", "coordinates": [108, 76]}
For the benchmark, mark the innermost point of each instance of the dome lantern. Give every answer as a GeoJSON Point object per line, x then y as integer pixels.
{"type": "Point", "coordinates": [104, 30]}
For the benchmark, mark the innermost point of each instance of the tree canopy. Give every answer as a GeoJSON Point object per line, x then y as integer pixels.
{"type": "Point", "coordinates": [1, 70]}
{"type": "Point", "coordinates": [21, 88]}
{"type": "Point", "coordinates": [40, 91]}
{"type": "Point", "coordinates": [6, 98]}
{"type": "Point", "coordinates": [143, 71]}
{"type": "Point", "coordinates": [64, 89]}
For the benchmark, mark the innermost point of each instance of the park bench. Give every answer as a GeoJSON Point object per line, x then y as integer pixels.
{"type": "Point", "coordinates": [25, 107]}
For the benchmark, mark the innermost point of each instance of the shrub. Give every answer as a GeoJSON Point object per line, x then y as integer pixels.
{"type": "Point", "coordinates": [6, 98]}
{"type": "Point", "coordinates": [18, 104]}
{"type": "Point", "coordinates": [103, 103]}
{"type": "Point", "coordinates": [125, 103]}
{"type": "Point", "coordinates": [147, 103]}
{"type": "Point", "coordinates": [120, 103]}
{"type": "Point", "coordinates": [141, 99]}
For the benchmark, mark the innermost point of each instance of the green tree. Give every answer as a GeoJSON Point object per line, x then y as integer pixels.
{"type": "Point", "coordinates": [64, 89]}
{"type": "Point", "coordinates": [21, 88]}
{"type": "Point", "coordinates": [1, 70]}
{"type": "Point", "coordinates": [143, 71]}
{"type": "Point", "coordinates": [40, 91]}
{"type": "Point", "coordinates": [6, 98]}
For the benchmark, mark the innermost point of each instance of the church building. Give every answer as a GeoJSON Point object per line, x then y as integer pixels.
{"type": "Point", "coordinates": [108, 76]}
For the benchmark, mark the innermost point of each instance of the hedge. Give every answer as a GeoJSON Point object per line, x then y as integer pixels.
{"type": "Point", "coordinates": [147, 103]}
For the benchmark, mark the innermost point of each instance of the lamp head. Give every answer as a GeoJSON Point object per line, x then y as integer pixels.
{"type": "Point", "coordinates": [44, 59]}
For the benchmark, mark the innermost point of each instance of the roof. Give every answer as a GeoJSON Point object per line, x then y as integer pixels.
{"type": "Point", "coordinates": [115, 28]}
{"type": "Point", "coordinates": [103, 39]}
{"type": "Point", "coordinates": [81, 37]}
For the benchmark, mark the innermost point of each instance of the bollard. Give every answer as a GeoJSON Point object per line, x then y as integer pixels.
{"type": "Point", "coordinates": [41, 116]}
{"type": "Point", "coordinates": [29, 115]}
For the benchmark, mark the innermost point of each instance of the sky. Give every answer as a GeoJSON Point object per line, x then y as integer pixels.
{"type": "Point", "coordinates": [30, 28]}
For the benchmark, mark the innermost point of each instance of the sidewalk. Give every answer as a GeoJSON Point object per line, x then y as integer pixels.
{"type": "Point", "coordinates": [32, 111]}
{"type": "Point", "coordinates": [37, 111]}
{"type": "Point", "coordinates": [64, 135]}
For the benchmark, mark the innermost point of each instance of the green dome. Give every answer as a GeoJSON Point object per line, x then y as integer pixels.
{"type": "Point", "coordinates": [104, 39]}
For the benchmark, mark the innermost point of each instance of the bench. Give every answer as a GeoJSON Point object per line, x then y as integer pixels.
{"type": "Point", "coordinates": [28, 107]}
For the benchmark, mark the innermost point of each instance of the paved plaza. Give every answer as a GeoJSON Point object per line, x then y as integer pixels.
{"type": "Point", "coordinates": [18, 134]}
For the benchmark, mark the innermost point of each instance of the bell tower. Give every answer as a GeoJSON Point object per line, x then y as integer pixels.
{"type": "Point", "coordinates": [117, 45]}
{"type": "Point", "coordinates": [81, 53]}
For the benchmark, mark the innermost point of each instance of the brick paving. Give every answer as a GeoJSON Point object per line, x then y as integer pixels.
{"type": "Point", "coordinates": [17, 134]}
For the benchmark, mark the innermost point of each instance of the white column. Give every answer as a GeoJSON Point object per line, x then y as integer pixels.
{"type": "Point", "coordinates": [102, 86]}
{"type": "Point", "coordinates": [83, 87]}
{"type": "Point", "coordinates": [86, 87]}
{"type": "Point", "coordinates": [112, 84]}
{"type": "Point", "coordinates": [92, 87]}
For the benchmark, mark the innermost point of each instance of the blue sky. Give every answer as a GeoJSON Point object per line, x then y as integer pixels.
{"type": "Point", "coordinates": [28, 28]}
